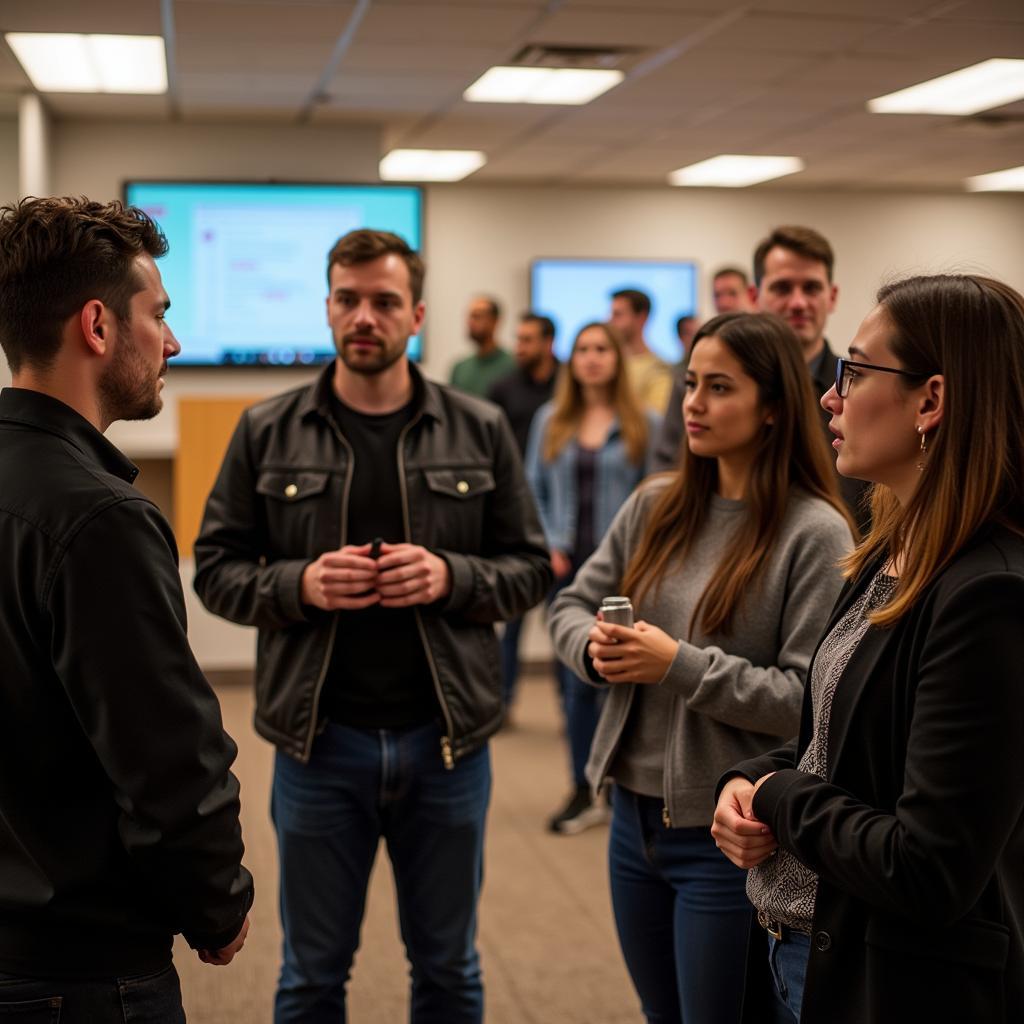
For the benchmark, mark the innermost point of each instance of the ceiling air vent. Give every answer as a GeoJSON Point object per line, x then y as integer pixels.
{"type": "Point", "coordinates": [540, 55]}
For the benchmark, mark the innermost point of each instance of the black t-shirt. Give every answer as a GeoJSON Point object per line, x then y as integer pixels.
{"type": "Point", "coordinates": [521, 396]}
{"type": "Point", "coordinates": [379, 677]}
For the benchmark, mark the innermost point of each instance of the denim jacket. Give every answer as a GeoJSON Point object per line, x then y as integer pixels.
{"type": "Point", "coordinates": [554, 483]}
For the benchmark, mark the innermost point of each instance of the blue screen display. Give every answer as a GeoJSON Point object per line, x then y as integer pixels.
{"type": "Point", "coordinates": [247, 266]}
{"type": "Point", "coordinates": [576, 292]}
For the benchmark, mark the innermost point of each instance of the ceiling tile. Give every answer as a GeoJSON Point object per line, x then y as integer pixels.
{"type": "Point", "coordinates": [127, 17]}
{"type": "Point", "coordinates": [429, 23]}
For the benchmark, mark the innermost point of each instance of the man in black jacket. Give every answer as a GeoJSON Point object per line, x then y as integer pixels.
{"type": "Point", "coordinates": [375, 526]}
{"type": "Point", "coordinates": [118, 811]}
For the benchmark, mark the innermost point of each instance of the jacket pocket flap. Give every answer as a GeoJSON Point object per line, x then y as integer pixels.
{"type": "Point", "coordinates": [977, 942]}
{"type": "Point", "coordinates": [460, 483]}
{"type": "Point", "coordinates": [285, 485]}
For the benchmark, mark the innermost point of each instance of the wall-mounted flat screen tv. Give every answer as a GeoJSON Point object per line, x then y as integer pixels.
{"type": "Point", "coordinates": [246, 270]}
{"type": "Point", "coordinates": [574, 292]}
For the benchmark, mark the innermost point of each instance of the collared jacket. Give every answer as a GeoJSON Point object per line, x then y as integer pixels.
{"type": "Point", "coordinates": [118, 811]}
{"type": "Point", "coordinates": [917, 832]}
{"type": "Point", "coordinates": [281, 500]}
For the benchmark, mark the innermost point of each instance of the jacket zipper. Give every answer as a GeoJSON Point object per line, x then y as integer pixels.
{"type": "Point", "coordinates": [666, 818]}
{"type": "Point", "coordinates": [349, 474]}
{"type": "Point", "coordinates": [447, 755]}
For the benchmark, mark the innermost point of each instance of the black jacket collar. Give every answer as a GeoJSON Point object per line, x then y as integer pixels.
{"type": "Point", "coordinates": [40, 411]}
{"type": "Point", "coordinates": [426, 395]}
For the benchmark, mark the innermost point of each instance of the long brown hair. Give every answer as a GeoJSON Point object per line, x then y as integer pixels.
{"type": "Point", "coordinates": [971, 330]}
{"type": "Point", "coordinates": [567, 413]}
{"type": "Point", "coordinates": [791, 454]}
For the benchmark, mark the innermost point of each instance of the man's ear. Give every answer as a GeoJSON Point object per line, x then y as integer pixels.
{"type": "Point", "coordinates": [754, 294]}
{"type": "Point", "coordinates": [95, 322]}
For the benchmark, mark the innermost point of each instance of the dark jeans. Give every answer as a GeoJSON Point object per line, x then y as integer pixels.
{"type": "Point", "coordinates": [360, 786]}
{"type": "Point", "coordinates": [788, 963]}
{"type": "Point", "coordinates": [144, 999]}
{"type": "Point", "coordinates": [581, 705]}
{"type": "Point", "coordinates": [510, 660]}
{"type": "Point", "coordinates": [682, 915]}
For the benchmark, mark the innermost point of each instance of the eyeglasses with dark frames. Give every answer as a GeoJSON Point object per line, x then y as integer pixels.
{"type": "Point", "coordinates": [846, 370]}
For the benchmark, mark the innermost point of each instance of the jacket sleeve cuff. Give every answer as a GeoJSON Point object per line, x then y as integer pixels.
{"type": "Point", "coordinates": [767, 799]}
{"type": "Point", "coordinates": [289, 589]}
{"type": "Point", "coordinates": [687, 670]}
{"type": "Point", "coordinates": [461, 572]}
{"type": "Point", "coordinates": [213, 941]}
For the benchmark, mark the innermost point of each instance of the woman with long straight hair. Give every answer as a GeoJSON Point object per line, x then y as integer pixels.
{"type": "Point", "coordinates": [730, 564]}
{"type": "Point", "coordinates": [887, 840]}
{"type": "Point", "coordinates": [588, 449]}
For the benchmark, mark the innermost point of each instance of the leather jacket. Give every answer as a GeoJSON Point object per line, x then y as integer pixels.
{"type": "Point", "coordinates": [118, 809]}
{"type": "Point", "coordinates": [280, 501]}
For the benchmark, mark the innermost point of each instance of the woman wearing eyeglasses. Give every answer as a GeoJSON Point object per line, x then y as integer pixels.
{"type": "Point", "coordinates": [731, 565]}
{"type": "Point", "coordinates": [887, 842]}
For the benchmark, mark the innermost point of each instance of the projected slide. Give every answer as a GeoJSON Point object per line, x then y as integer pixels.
{"type": "Point", "coordinates": [246, 270]}
{"type": "Point", "coordinates": [574, 292]}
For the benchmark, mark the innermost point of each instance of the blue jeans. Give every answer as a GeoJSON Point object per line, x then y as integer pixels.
{"type": "Point", "coordinates": [362, 785]}
{"type": "Point", "coordinates": [788, 963]}
{"type": "Point", "coordinates": [581, 705]}
{"type": "Point", "coordinates": [510, 660]}
{"type": "Point", "coordinates": [682, 915]}
{"type": "Point", "coordinates": [139, 999]}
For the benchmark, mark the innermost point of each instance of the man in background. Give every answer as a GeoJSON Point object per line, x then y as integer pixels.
{"type": "Point", "coordinates": [118, 810]}
{"type": "Point", "coordinates": [650, 376]}
{"type": "Point", "coordinates": [730, 291]}
{"type": "Point", "coordinates": [476, 373]}
{"type": "Point", "coordinates": [686, 330]}
{"type": "Point", "coordinates": [520, 394]}
{"type": "Point", "coordinates": [374, 526]}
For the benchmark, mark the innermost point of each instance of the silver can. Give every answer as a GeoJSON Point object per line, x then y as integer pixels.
{"type": "Point", "coordinates": [618, 610]}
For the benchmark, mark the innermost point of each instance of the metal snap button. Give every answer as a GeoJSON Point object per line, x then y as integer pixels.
{"type": "Point", "coordinates": [462, 487]}
{"type": "Point", "coordinates": [290, 491]}
{"type": "Point", "coordinates": [823, 942]}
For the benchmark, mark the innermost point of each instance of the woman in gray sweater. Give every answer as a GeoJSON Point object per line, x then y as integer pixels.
{"type": "Point", "coordinates": [730, 563]}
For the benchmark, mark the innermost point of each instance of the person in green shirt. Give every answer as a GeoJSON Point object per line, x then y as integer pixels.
{"type": "Point", "coordinates": [476, 373]}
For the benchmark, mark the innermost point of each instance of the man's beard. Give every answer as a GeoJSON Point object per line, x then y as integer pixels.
{"type": "Point", "coordinates": [129, 389]}
{"type": "Point", "coordinates": [368, 365]}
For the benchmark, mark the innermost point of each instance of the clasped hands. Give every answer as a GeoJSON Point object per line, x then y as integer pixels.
{"type": "Point", "coordinates": [642, 654]}
{"type": "Point", "coordinates": [736, 830]}
{"type": "Point", "coordinates": [403, 575]}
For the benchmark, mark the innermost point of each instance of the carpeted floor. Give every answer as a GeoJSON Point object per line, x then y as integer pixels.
{"type": "Point", "coordinates": [547, 941]}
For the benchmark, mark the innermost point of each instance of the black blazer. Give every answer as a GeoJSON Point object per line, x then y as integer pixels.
{"type": "Point", "coordinates": [917, 834]}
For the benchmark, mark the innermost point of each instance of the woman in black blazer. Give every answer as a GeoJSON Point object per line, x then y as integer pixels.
{"type": "Point", "coordinates": [887, 841]}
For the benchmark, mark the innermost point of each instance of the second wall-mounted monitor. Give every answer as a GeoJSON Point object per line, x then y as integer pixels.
{"type": "Point", "coordinates": [574, 292]}
{"type": "Point", "coordinates": [247, 266]}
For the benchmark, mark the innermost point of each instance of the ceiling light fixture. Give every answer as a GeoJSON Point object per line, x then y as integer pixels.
{"type": "Point", "coordinates": [570, 86]}
{"type": "Point", "coordinates": [1010, 180]}
{"type": "Point", "coordinates": [67, 62]}
{"type": "Point", "coordinates": [430, 164]}
{"type": "Point", "coordinates": [992, 83]}
{"type": "Point", "coordinates": [731, 170]}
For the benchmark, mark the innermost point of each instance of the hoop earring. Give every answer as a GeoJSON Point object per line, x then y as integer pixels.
{"type": "Point", "coordinates": [924, 449]}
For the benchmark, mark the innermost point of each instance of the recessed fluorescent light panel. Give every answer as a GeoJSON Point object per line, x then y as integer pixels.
{"type": "Point", "coordinates": [1010, 180]}
{"type": "Point", "coordinates": [731, 170]}
{"type": "Point", "coordinates": [65, 62]}
{"type": "Point", "coordinates": [992, 83]}
{"type": "Point", "coordinates": [430, 164]}
{"type": "Point", "coordinates": [572, 86]}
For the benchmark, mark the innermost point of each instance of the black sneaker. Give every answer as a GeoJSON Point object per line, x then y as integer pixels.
{"type": "Point", "coordinates": [580, 813]}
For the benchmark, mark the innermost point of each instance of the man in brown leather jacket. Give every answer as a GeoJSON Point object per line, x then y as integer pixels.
{"type": "Point", "coordinates": [374, 526]}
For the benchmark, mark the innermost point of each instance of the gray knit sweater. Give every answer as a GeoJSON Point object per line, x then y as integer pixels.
{"type": "Point", "coordinates": [725, 698]}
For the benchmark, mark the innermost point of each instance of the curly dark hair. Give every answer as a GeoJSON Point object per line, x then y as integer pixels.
{"type": "Point", "coordinates": [56, 254]}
